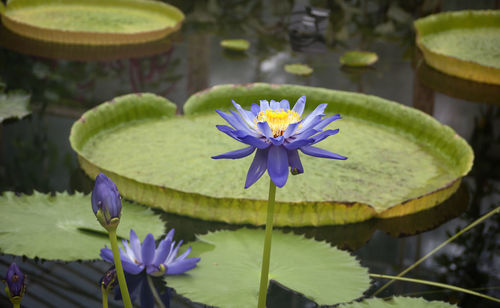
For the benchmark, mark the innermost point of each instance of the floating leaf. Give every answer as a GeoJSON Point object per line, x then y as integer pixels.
{"type": "Point", "coordinates": [401, 161]}
{"type": "Point", "coordinates": [463, 44]}
{"type": "Point", "coordinates": [229, 271]}
{"type": "Point", "coordinates": [239, 45]}
{"type": "Point", "coordinates": [299, 69]}
{"type": "Point", "coordinates": [95, 22]}
{"type": "Point", "coordinates": [14, 105]}
{"type": "Point", "coordinates": [410, 302]}
{"type": "Point", "coordinates": [63, 227]}
{"type": "Point", "coordinates": [358, 58]}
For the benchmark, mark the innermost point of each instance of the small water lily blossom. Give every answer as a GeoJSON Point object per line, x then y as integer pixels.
{"type": "Point", "coordinates": [16, 287]}
{"type": "Point", "coordinates": [106, 202]}
{"type": "Point", "coordinates": [155, 261]}
{"type": "Point", "coordinates": [277, 132]}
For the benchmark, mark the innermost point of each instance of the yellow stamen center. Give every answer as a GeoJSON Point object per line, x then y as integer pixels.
{"type": "Point", "coordinates": [278, 119]}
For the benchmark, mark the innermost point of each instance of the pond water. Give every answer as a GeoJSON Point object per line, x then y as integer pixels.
{"type": "Point", "coordinates": [65, 81]}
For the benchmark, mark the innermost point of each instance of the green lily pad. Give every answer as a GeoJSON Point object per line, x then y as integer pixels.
{"type": "Point", "coordinates": [228, 274]}
{"type": "Point", "coordinates": [463, 44]}
{"type": "Point", "coordinates": [14, 105]}
{"type": "Point", "coordinates": [239, 45]}
{"type": "Point", "coordinates": [358, 58]}
{"type": "Point", "coordinates": [95, 22]}
{"type": "Point", "coordinates": [299, 69]}
{"type": "Point", "coordinates": [398, 301]}
{"type": "Point", "coordinates": [63, 227]}
{"type": "Point", "coordinates": [401, 160]}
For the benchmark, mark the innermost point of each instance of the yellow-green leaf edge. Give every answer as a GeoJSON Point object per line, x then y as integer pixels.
{"type": "Point", "coordinates": [458, 20]}
{"type": "Point", "coordinates": [246, 211]}
{"type": "Point", "coordinates": [92, 38]}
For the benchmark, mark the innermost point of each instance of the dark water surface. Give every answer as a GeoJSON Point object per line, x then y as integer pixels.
{"type": "Point", "coordinates": [65, 81]}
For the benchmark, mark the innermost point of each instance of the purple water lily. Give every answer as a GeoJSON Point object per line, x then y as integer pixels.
{"type": "Point", "coordinates": [15, 281]}
{"type": "Point", "coordinates": [106, 201]}
{"type": "Point", "coordinates": [277, 132]}
{"type": "Point", "coordinates": [155, 261]}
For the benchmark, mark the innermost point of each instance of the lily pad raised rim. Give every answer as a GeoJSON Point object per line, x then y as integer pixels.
{"type": "Point", "coordinates": [247, 211]}
{"type": "Point", "coordinates": [89, 37]}
{"type": "Point", "coordinates": [457, 20]}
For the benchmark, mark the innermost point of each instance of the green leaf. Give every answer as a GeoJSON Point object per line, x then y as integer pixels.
{"type": "Point", "coordinates": [14, 105]}
{"type": "Point", "coordinates": [240, 44]}
{"type": "Point", "coordinates": [228, 274]}
{"type": "Point", "coordinates": [63, 227]}
{"type": "Point", "coordinates": [463, 44]}
{"type": "Point", "coordinates": [358, 58]}
{"type": "Point", "coordinates": [299, 69]}
{"type": "Point", "coordinates": [401, 161]}
{"type": "Point", "coordinates": [410, 302]}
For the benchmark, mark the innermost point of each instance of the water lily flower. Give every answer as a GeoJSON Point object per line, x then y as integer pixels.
{"type": "Point", "coordinates": [106, 202]}
{"type": "Point", "coordinates": [155, 261]}
{"type": "Point", "coordinates": [278, 133]}
{"type": "Point", "coordinates": [15, 283]}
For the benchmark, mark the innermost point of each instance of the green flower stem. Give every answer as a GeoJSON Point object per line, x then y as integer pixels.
{"type": "Point", "coordinates": [119, 269]}
{"type": "Point", "coordinates": [104, 297]}
{"type": "Point", "coordinates": [472, 225]}
{"type": "Point", "coordinates": [266, 256]}
{"type": "Point", "coordinates": [437, 284]}
{"type": "Point", "coordinates": [16, 305]}
{"type": "Point", "coordinates": [155, 293]}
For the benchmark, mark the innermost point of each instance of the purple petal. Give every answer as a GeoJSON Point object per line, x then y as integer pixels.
{"type": "Point", "coordinates": [299, 105]}
{"type": "Point", "coordinates": [180, 267]}
{"type": "Point", "coordinates": [244, 126]}
{"type": "Point", "coordinates": [313, 115]}
{"type": "Point", "coordinates": [255, 142]}
{"type": "Point", "coordinates": [294, 162]}
{"type": "Point", "coordinates": [244, 114]}
{"type": "Point", "coordinates": [255, 109]}
{"type": "Point", "coordinates": [284, 104]}
{"type": "Point", "coordinates": [170, 235]}
{"type": "Point", "coordinates": [107, 255]}
{"type": "Point", "coordinates": [324, 134]}
{"type": "Point", "coordinates": [298, 144]}
{"type": "Point", "coordinates": [162, 251]}
{"type": "Point", "coordinates": [148, 249]}
{"type": "Point", "coordinates": [327, 121]}
{"type": "Point", "coordinates": [265, 129]}
{"type": "Point", "coordinates": [264, 105]}
{"type": "Point", "coordinates": [278, 140]}
{"type": "Point", "coordinates": [131, 267]}
{"type": "Point", "coordinates": [307, 133]}
{"type": "Point", "coordinates": [257, 168]}
{"type": "Point", "coordinates": [290, 130]}
{"type": "Point", "coordinates": [228, 131]}
{"type": "Point", "coordinates": [277, 165]}
{"type": "Point", "coordinates": [230, 119]}
{"type": "Point", "coordinates": [236, 153]}
{"type": "Point", "coordinates": [274, 105]}
{"type": "Point", "coordinates": [312, 122]}
{"type": "Point", "coordinates": [135, 244]}
{"type": "Point", "coordinates": [184, 255]}
{"type": "Point", "coordinates": [317, 152]}
{"type": "Point", "coordinates": [173, 253]}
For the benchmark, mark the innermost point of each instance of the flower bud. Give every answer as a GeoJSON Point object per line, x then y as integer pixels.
{"type": "Point", "coordinates": [106, 202]}
{"type": "Point", "coordinates": [15, 283]}
{"type": "Point", "coordinates": [109, 281]}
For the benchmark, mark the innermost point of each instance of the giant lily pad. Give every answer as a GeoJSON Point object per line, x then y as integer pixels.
{"type": "Point", "coordinates": [95, 22]}
{"type": "Point", "coordinates": [398, 301]}
{"type": "Point", "coordinates": [463, 44]}
{"type": "Point", "coordinates": [14, 105]}
{"type": "Point", "coordinates": [298, 69]}
{"type": "Point", "coordinates": [237, 44]}
{"type": "Point", "coordinates": [63, 227]}
{"type": "Point", "coordinates": [401, 160]}
{"type": "Point", "coordinates": [358, 58]}
{"type": "Point", "coordinates": [228, 274]}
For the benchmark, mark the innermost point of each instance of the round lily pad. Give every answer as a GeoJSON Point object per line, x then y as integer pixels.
{"type": "Point", "coordinates": [63, 227]}
{"type": "Point", "coordinates": [299, 69]}
{"type": "Point", "coordinates": [95, 22]}
{"type": "Point", "coordinates": [463, 44]}
{"type": "Point", "coordinates": [239, 44]}
{"type": "Point", "coordinates": [358, 58]}
{"type": "Point", "coordinates": [398, 301]}
{"type": "Point", "coordinates": [14, 105]}
{"type": "Point", "coordinates": [400, 160]}
{"type": "Point", "coordinates": [228, 274]}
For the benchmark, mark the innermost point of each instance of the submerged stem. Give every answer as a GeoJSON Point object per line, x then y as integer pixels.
{"type": "Point", "coordinates": [437, 284]}
{"type": "Point", "coordinates": [266, 256]}
{"type": "Point", "coordinates": [119, 270]}
{"type": "Point", "coordinates": [472, 225]}
{"type": "Point", "coordinates": [155, 293]}
{"type": "Point", "coordinates": [104, 297]}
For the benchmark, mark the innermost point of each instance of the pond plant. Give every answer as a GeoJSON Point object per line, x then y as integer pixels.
{"type": "Point", "coordinates": [277, 133]}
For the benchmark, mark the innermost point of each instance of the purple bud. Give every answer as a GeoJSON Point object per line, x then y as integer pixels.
{"type": "Point", "coordinates": [15, 281]}
{"type": "Point", "coordinates": [109, 281]}
{"type": "Point", "coordinates": [105, 197]}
